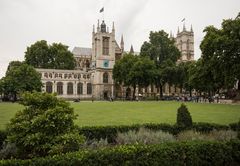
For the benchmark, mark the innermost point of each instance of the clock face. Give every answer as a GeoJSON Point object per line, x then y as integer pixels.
{"type": "Point", "coordinates": [106, 63]}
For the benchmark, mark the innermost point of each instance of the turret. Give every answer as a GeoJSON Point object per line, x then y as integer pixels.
{"type": "Point", "coordinates": [131, 50]}
{"type": "Point", "coordinates": [103, 26]}
{"type": "Point", "coordinates": [122, 43]}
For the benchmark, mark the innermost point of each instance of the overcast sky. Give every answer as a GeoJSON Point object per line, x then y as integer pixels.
{"type": "Point", "coordinates": [23, 22]}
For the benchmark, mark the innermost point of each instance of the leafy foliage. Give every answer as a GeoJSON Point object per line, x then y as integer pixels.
{"type": "Point", "coordinates": [44, 127]}
{"type": "Point", "coordinates": [162, 50]}
{"type": "Point", "coordinates": [185, 153]}
{"type": "Point", "coordinates": [183, 116]}
{"type": "Point", "coordinates": [220, 55]}
{"type": "Point", "coordinates": [20, 77]}
{"type": "Point", "coordinates": [55, 56]}
{"type": "Point", "coordinates": [132, 71]}
{"type": "Point", "coordinates": [144, 136]}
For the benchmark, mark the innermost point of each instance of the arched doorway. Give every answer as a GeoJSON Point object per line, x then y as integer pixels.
{"type": "Point", "coordinates": [106, 95]}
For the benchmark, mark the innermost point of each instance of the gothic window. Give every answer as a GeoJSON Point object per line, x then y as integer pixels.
{"type": "Point", "coordinates": [80, 88]}
{"type": "Point", "coordinates": [89, 88]}
{"type": "Point", "coordinates": [105, 46]}
{"type": "Point", "coordinates": [70, 88]}
{"type": "Point", "coordinates": [105, 77]}
{"type": "Point", "coordinates": [59, 88]}
{"type": "Point", "coordinates": [49, 87]}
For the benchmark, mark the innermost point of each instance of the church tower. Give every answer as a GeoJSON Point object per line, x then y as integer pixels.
{"type": "Point", "coordinates": [185, 44]}
{"type": "Point", "coordinates": [103, 60]}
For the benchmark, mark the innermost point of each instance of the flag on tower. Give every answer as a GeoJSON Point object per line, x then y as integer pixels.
{"type": "Point", "coordinates": [183, 20]}
{"type": "Point", "coordinates": [102, 10]}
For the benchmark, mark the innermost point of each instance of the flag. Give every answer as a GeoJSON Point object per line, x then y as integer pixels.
{"type": "Point", "coordinates": [183, 20]}
{"type": "Point", "coordinates": [102, 10]}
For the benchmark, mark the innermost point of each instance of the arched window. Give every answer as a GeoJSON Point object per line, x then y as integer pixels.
{"type": "Point", "coordinates": [105, 77]}
{"type": "Point", "coordinates": [49, 87]}
{"type": "Point", "coordinates": [70, 88]}
{"type": "Point", "coordinates": [89, 88]}
{"type": "Point", "coordinates": [80, 88]}
{"type": "Point", "coordinates": [59, 88]}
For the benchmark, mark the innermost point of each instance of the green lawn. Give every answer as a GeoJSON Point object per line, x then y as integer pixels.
{"type": "Point", "coordinates": [114, 113]}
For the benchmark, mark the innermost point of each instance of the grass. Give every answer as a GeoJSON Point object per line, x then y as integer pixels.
{"type": "Point", "coordinates": [124, 113]}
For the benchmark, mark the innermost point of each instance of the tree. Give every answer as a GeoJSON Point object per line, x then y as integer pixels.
{"type": "Point", "coordinates": [45, 126]}
{"type": "Point", "coordinates": [55, 56]}
{"type": "Point", "coordinates": [184, 118]}
{"type": "Point", "coordinates": [134, 71]}
{"type": "Point", "coordinates": [182, 76]}
{"type": "Point", "coordinates": [142, 73]}
{"type": "Point", "coordinates": [20, 78]}
{"type": "Point", "coordinates": [162, 51]}
{"type": "Point", "coordinates": [220, 53]}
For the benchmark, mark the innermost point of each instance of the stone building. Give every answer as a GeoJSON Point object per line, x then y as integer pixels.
{"type": "Point", "coordinates": [92, 77]}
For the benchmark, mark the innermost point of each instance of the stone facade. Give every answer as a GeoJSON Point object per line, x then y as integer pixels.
{"type": "Point", "coordinates": [92, 78]}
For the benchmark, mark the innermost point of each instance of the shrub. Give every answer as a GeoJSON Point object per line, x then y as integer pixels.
{"type": "Point", "coordinates": [190, 135]}
{"type": "Point", "coordinates": [3, 136]}
{"type": "Point", "coordinates": [184, 153]}
{"type": "Point", "coordinates": [94, 144]}
{"type": "Point", "coordinates": [183, 116]}
{"type": "Point", "coordinates": [222, 135]}
{"type": "Point", "coordinates": [9, 150]}
{"type": "Point", "coordinates": [45, 126]}
{"type": "Point", "coordinates": [144, 136]}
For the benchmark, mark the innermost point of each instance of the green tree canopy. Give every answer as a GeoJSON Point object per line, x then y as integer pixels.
{"type": "Point", "coordinates": [134, 71]}
{"type": "Point", "coordinates": [221, 53]}
{"type": "Point", "coordinates": [20, 78]}
{"type": "Point", "coordinates": [162, 50]}
{"type": "Point", "coordinates": [55, 56]}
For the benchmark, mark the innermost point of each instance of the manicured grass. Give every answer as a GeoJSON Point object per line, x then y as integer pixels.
{"type": "Point", "coordinates": [124, 113]}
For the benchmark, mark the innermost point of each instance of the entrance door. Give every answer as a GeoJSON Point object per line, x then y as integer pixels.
{"type": "Point", "coordinates": [105, 95]}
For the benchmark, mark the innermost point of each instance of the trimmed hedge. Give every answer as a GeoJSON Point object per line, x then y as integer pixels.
{"type": "Point", "coordinates": [188, 153]}
{"type": "Point", "coordinates": [110, 132]}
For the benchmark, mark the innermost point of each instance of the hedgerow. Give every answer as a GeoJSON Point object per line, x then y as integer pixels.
{"type": "Point", "coordinates": [184, 153]}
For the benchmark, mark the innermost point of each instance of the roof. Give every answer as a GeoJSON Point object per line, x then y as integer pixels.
{"type": "Point", "coordinates": [78, 51]}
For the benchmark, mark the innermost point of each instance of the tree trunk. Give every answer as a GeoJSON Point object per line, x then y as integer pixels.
{"type": "Point", "coordinates": [161, 91]}
{"type": "Point", "coordinates": [190, 90]}
{"type": "Point", "coordinates": [134, 90]}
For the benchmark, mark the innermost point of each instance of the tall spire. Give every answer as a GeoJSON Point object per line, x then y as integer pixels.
{"type": "Point", "coordinates": [131, 50]}
{"type": "Point", "coordinates": [171, 34]}
{"type": "Point", "coordinates": [93, 28]}
{"type": "Point", "coordinates": [122, 43]}
{"type": "Point", "coordinates": [113, 28]}
{"type": "Point", "coordinates": [184, 28]}
{"type": "Point", "coordinates": [178, 30]}
{"type": "Point", "coordinates": [191, 28]}
{"type": "Point", "coordinates": [98, 26]}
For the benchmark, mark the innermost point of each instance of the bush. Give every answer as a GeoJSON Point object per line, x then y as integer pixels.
{"type": "Point", "coordinates": [184, 153]}
{"type": "Point", "coordinates": [215, 135]}
{"type": "Point", "coordinates": [95, 144]}
{"type": "Point", "coordinates": [190, 135]}
{"type": "Point", "coordinates": [44, 127]}
{"type": "Point", "coordinates": [222, 135]}
{"type": "Point", "coordinates": [9, 150]}
{"type": "Point", "coordinates": [3, 136]}
{"type": "Point", "coordinates": [183, 116]}
{"type": "Point", "coordinates": [144, 136]}
{"type": "Point", "coordinates": [110, 132]}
